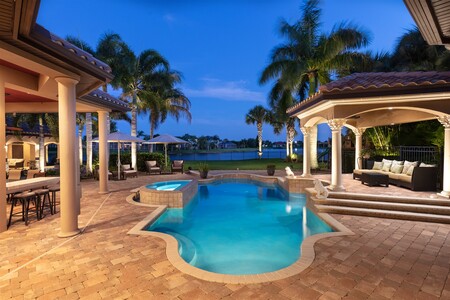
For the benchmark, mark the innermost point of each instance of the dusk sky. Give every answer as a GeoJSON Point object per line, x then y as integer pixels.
{"type": "Point", "coordinates": [220, 47]}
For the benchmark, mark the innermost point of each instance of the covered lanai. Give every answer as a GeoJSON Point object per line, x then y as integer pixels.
{"type": "Point", "coordinates": [364, 100]}
{"type": "Point", "coordinates": [40, 72]}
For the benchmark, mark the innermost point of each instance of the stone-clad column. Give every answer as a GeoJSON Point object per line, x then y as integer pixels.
{"type": "Point", "coordinates": [336, 154]}
{"type": "Point", "coordinates": [445, 120]}
{"type": "Point", "coordinates": [358, 146]}
{"type": "Point", "coordinates": [306, 152]}
{"type": "Point", "coordinates": [103, 151]}
{"type": "Point", "coordinates": [70, 201]}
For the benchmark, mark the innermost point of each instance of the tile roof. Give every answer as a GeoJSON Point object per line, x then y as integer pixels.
{"type": "Point", "coordinates": [365, 81]}
{"type": "Point", "coordinates": [374, 82]}
{"type": "Point", "coordinates": [70, 48]}
{"type": "Point", "coordinates": [99, 96]}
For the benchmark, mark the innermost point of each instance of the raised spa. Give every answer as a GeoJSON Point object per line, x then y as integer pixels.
{"type": "Point", "coordinates": [241, 227]}
{"type": "Point", "coordinates": [168, 185]}
{"type": "Point", "coordinates": [176, 193]}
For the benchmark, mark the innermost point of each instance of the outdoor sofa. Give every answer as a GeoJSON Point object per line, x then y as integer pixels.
{"type": "Point", "coordinates": [15, 163]}
{"type": "Point", "coordinates": [412, 175]}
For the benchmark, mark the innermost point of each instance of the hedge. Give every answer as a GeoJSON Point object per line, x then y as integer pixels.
{"type": "Point", "coordinates": [142, 157]}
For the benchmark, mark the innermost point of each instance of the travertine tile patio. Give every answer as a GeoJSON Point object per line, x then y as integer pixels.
{"type": "Point", "coordinates": [385, 259]}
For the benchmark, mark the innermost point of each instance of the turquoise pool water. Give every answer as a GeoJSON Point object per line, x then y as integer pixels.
{"type": "Point", "coordinates": [241, 227]}
{"type": "Point", "coordinates": [168, 185]}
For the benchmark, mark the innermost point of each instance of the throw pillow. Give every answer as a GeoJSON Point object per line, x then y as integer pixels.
{"type": "Point", "coordinates": [397, 169]}
{"type": "Point", "coordinates": [388, 161]}
{"type": "Point", "coordinates": [410, 171]}
{"type": "Point", "coordinates": [377, 165]}
{"type": "Point", "coordinates": [396, 163]}
{"type": "Point", "coordinates": [427, 165]}
{"type": "Point", "coordinates": [408, 164]}
{"type": "Point", "coordinates": [386, 167]}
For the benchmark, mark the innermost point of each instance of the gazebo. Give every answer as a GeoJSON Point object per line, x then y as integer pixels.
{"type": "Point", "coordinates": [364, 100]}
{"type": "Point", "coordinates": [40, 72]}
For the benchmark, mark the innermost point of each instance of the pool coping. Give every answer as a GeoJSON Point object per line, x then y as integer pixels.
{"type": "Point", "coordinates": [305, 260]}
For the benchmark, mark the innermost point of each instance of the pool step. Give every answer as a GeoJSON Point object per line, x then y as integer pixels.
{"type": "Point", "coordinates": [383, 213]}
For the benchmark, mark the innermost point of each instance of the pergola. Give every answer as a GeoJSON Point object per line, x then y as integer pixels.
{"type": "Point", "coordinates": [364, 100]}
{"type": "Point", "coordinates": [40, 72]}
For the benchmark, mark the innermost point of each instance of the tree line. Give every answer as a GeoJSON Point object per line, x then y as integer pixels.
{"type": "Point", "coordinates": [308, 57]}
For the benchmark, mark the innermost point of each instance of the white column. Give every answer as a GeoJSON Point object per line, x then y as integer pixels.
{"type": "Point", "coordinates": [358, 146]}
{"type": "Point", "coordinates": [306, 152]}
{"type": "Point", "coordinates": [445, 120]}
{"type": "Point", "coordinates": [103, 151]}
{"type": "Point", "coordinates": [336, 154]}
{"type": "Point", "coordinates": [3, 156]}
{"type": "Point", "coordinates": [70, 202]}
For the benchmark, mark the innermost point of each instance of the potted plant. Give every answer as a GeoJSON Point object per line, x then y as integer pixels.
{"type": "Point", "coordinates": [203, 168]}
{"type": "Point", "coordinates": [270, 170]}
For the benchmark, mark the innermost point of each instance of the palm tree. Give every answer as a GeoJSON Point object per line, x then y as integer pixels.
{"type": "Point", "coordinates": [164, 102]}
{"type": "Point", "coordinates": [143, 72]}
{"type": "Point", "coordinates": [81, 120]}
{"type": "Point", "coordinates": [112, 50]}
{"type": "Point", "coordinates": [258, 115]}
{"type": "Point", "coordinates": [310, 58]}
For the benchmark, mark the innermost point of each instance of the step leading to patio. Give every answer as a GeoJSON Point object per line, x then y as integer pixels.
{"type": "Point", "coordinates": [383, 213]}
{"type": "Point", "coordinates": [390, 206]}
{"type": "Point", "coordinates": [385, 206]}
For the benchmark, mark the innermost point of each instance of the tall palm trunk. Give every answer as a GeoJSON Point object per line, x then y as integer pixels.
{"type": "Point", "coordinates": [89, 142]}
{"type": "Point", "coordinates": [260, 129]}
{"type": "Point", "coordinates": [80, 143]}
{"type": "Point", "coordinates": [314, 84]}
{"type": "Point", "coordinates": [41, 144]}
{"type": "Point", "coordinates": [152, 129]}
{"type": "Point", "coordinates": [133, 130]}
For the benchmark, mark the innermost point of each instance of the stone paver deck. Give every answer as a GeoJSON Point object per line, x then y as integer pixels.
{"type": "Point", "coordinates": [385, 259]}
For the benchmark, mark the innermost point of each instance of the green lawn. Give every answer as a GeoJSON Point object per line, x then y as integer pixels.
{"type": "Point", "coordinates": [250, 164]}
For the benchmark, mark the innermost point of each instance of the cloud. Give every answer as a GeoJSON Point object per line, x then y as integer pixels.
{"type": "Point", "coordinates": [225, 90]}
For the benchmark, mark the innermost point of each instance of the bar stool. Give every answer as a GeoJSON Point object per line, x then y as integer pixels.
{"type": "Point", "coordinates": [53, 190]}
{"type": "Point", "coordinates": [25, 198]}
{"type": "Point", "coordinates": [42, 195]}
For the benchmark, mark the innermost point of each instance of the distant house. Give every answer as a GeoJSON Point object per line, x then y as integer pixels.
{"type": "Point", "coordinates": [279, 145]}
{"type": "Point", "coordinates": [227, 145]}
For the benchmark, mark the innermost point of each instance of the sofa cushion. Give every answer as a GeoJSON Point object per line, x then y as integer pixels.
{"type": "Point", "coordinates": [394, 176]}
{"type": "Point", "coordinates": [407, 164]}
{"type": "Point", "coordinates": [404, 177]}
{"type": "Point", "coordinates": [397, 168]}
{"type": "Point", "coordinates": [410, 171]}
{"type": "Point", "coordinates": [357, 171]}
{"type": "Point", "coordinates": [386, 166]}
{"type": "Point", "coordinates": [377, 165]}
{"type": "Point", "coordinates": [427, 165]}
{"type": "Point", "coordinates": [396, 163]}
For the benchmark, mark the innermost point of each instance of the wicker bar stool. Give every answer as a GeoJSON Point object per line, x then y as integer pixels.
{"type": "Point", "coordinates": [53, 190]}
{"type": "Point", "coordinates": [41, 196]}
{"type": "Point", "coordinates": [25, 198]}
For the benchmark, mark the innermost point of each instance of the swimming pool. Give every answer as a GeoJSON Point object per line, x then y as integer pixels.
{"type": "Point", "coordinates": [168, 185]}
{"type": "Point", "coordinates": [240, 227]}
